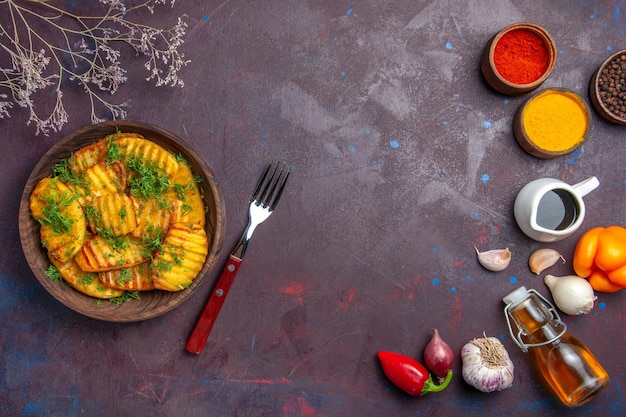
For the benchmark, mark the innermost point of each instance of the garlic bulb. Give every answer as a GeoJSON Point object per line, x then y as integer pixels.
{"type": "Point", "coordinates": [571, 293]}
{"type": "Point", "coordinates": [486, 364]}
{"type": "Point", "coordinates": [542, 259]}
{"type": "Point", "coordinates": [495, 259]}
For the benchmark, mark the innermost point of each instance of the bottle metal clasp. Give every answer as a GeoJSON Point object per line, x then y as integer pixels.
{"type": "Point", "coordinates": [517, 337]}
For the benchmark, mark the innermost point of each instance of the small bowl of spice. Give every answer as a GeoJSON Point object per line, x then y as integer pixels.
{"type": "Point", "coordinates": [552, 123]}
{"type": "Point", "coordinates": [518, 59]}
{"type": "Point", "coordinates": [607, 89]}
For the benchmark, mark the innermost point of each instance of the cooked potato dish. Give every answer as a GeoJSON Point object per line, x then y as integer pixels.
{"type": "Point", "coordinates": [122, 214]}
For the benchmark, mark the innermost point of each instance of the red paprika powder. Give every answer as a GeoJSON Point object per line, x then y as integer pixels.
{"type": "Point", "coordinates": [521, 56]}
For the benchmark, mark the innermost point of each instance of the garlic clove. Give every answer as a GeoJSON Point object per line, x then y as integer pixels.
{"type": "Point", "coordinates": [495, 259]}
{"type": "Point", "coordinates": [542, 259]}
{"type": "Point", "coordinates": [572, 294]}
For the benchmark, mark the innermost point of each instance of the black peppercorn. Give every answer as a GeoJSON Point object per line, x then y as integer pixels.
{"type": "Point", "coordinates": [612, 86]}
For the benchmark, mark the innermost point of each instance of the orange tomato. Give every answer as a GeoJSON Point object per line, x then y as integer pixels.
{"type": "Point", "coordinates": [585, 253]}
{"type": "Point", "coordinates": [600, 281]}
{"type": "Point", "coordinates": [611, 252]}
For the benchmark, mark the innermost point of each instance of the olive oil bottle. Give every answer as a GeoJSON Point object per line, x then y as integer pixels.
{"type": "Point", "coordinates": [564, 362]}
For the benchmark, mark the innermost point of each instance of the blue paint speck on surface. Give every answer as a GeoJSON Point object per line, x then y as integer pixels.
{"type": "Point", "coordinates": [486, 124]}
{"type": "Point", "coordinates": [207, 18]}
{"type": "Point", "coordinates": [394, 144]}
{"type": "Point", "coordinates": [448, 45]}
{"type": "Point", "coordinates": [601, 305]}
{"type": "Point", "coordinates": [484, 178]}
{"type": "Point", "coordinates": [349, 11]}
{"type": "Point", "coordinates": [574, 157]}
{"type": "Point", "coordinates": [513, 280]}
{"type": "Point", "coordinates": [436, 281]}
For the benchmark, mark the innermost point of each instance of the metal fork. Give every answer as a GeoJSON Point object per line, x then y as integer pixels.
{"type": "Point", "coordinates": [264, 199]}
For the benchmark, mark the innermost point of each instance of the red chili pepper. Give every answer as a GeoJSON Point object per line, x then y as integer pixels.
{"type": "Point", "coordinates": [409, 375]}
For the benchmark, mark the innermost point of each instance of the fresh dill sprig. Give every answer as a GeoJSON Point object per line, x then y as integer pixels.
{"type": "Point", "coordinates": [125, 297]}
{"type": "Point", "coordinates": [53, 273]}
{"type": "Point", "coordinates": [63, 172]}
{"type": "Point", "coordinates": [52, 213]}
{"type": "Point", "coordinates": [149, 180]}
{"type": "Point", "coordinates": [116, 242]}
{"type": "Point", "coordinates": [125, 276]}
{"type": "Point", "coordinates": [112, 153]}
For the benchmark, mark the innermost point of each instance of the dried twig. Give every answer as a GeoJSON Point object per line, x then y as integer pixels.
{"type": "Point", "coordinates": [82, 49]}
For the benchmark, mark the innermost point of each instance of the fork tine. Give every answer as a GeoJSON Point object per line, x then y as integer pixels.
{"type": "Point", "coordinates": [266, 194]}
{"type": "Point", "coordinates": [280, 190]}
{"type": "Point", "coordinates": [260, 184]}
{"type": "Point", "coordinates": [275, 187]}
{"type": "Point", "coordinates": [269, 190]}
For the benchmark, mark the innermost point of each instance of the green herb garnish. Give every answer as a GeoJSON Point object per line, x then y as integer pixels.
{"type": "Point", "coordinates": [53, 216]}
{"type": "Point", "coordinates": [152, 240]}
{"type": "Point", "coordinates": [116, 242]}
{"type": "Point", "coordinates": [125, 276]}
{"type": "Point", "coordinates": [86, 279]}
{"type": "Point", "coordinates": [123, 213]}
{"type": "Point", "coordinates": [53, 273]}
{"type": "Point", "coordinates": [63, 172]}
{"type": "Point", "coordinates": [149, 180]}
{"type": "Point", "coordinates": [126, 296]}
{"type": "Point", "coordinates": [112, 152]}
{"type": "Point", "coordinates": [186, 208]}
{"type": "Point", "coordinates": [91, 212]}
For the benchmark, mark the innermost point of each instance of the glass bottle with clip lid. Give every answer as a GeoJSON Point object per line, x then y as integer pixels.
{"type": "Point", "coordinates": [564, 362]}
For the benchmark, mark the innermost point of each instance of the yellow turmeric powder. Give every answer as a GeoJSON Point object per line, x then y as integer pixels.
{"type": "Point", "coordinates": [555, 120]}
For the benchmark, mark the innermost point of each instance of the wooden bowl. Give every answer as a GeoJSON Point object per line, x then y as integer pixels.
{"type": "Point", "coordinates": [574, 102]}
{"type": "Point", "coordinates": [151, 303]}
{"type": "Point", "coordinates": [595, 92]}
{"type": "Point", "coordinates": [496, 80]}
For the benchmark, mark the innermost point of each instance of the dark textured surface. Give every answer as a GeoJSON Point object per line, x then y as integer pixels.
{"type": "Point", "coordinates": [403, 160]}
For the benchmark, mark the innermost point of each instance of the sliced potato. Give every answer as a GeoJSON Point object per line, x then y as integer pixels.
{"type": "Point", "coordinates": [153, 218]}
{"type": "Point", "coordinates": [99, 254]}
{"type": "Point", "coordinates": [63, 246]}
{"type": "Point", "coordinates": [87, 156]}
{"type": "Point", "coordinates": [101, 179]}
{"type": "Point", "coordinates": [187, 191]}
{"type": "Point", "coordinates": [111, 214]}
{"type": "Point", "coordinates": [63, 224]}
{"type": "Point", "coordinates": [181, 257]}
{"type": "Point", "coordinates": [137, 278]}
{"type": "Point", "coordinates": [139, 148]}
{"type": "Point", "coordinates": [85, 282]}
{"type": "Point", "coordinates": [48, 191]}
